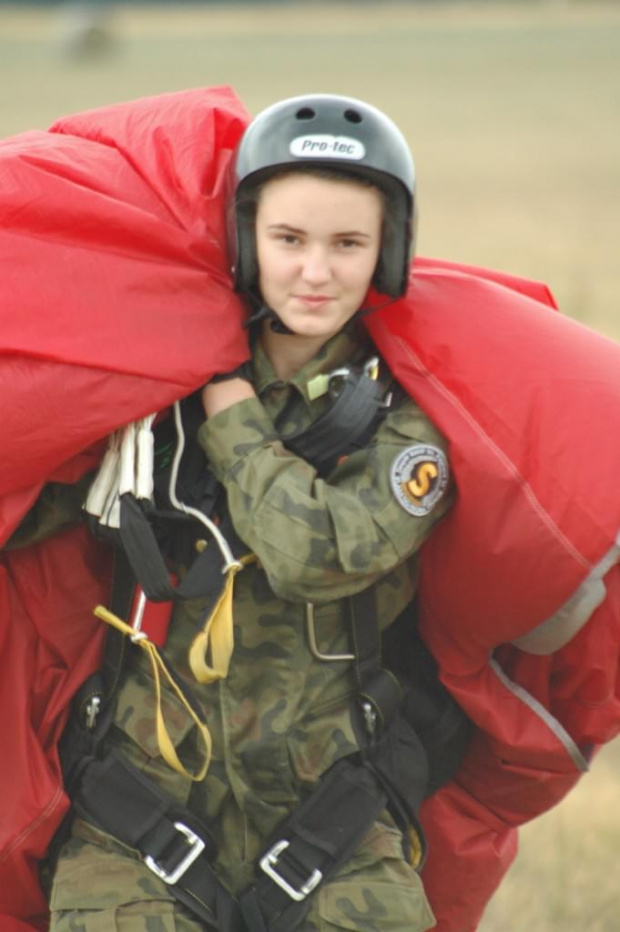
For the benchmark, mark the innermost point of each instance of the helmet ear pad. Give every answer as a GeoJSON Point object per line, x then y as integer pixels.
{"type": "Point", "coordinates": [246, 271]}
{"type": "Point", "coordinates": [391, 276]}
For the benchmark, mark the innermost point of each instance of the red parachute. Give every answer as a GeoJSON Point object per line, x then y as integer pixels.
{"type": "Point", "coordinates": [116, 301]}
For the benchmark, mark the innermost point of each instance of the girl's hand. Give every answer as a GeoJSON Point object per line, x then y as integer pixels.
{"type": "Point", "coordinates": [218, 396]}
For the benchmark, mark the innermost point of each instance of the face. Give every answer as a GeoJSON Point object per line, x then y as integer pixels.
{"type": "Point", "coordinates": [317, 243]}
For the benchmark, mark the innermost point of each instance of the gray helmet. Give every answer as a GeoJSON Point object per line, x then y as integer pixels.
{"type": "Point", "coordinates": [337, 133]}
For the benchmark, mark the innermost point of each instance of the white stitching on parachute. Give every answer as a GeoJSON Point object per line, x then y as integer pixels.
{"type": "Point", "coordinates": [547, 718]}
{"type": "Point", "coordinates": [556, 631]}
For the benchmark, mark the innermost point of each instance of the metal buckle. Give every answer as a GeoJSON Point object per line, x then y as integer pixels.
{"type": "Point", "coordinates": [343, 373]}
{"type": "Point", "coordinates": [371, 368]}
{"type": "Point", "coordinates": [268, 863]}
{"type": "Point", "coordinates": [314, 649]}
{"type": "Point", "coordinates": [196, 847]}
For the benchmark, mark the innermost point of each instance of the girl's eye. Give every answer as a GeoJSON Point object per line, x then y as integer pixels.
{"type": "Point", "coordinates": [288, 239]}
{"type": "Point", "coordinates": [349, 243]}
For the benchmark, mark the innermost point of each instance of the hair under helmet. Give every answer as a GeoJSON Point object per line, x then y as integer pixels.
{"type": "Point", "coordinates": [331, 132]}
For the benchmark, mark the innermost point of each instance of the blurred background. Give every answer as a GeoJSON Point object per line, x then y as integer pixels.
{"type": "Point", "coordinates": [512, 110]}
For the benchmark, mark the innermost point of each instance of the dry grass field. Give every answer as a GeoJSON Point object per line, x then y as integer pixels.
{"type": "Point", "coordinates": [513, 114]}
{"type": "Point", "coordinates": [511, 109]}
{"type": "Point", "coordinates": [564, 878]}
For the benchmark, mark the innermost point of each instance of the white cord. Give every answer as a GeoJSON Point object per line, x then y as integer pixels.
{"type": "Point", "coordinates": [106, 480]}
{"type": "Point", "coordinates": [222, 543]}
{"type": "Point", "coordinates": [145, 458]}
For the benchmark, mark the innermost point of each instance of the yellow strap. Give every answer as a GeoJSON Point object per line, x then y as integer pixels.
{"type": "Point", "coordinates": [216, 637]}
{"type": "Point", "coordinates": [417, 851]}
{"type": "Point", "coordinates": [164, 741]}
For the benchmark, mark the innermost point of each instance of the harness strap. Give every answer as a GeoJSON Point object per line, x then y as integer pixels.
{"type": "Point", "coordinates": [347, 425]}
{"type": "Point", "coordinates": [174, 844]}
{"type": "Point", "coordinates": [312, 845]}
{"type": "Point", "coordinates": [140, 544]}
{"type": "Point", "coordinates": [379, 691]}
{"type": "Point", "coordinates": [94, 704]}
{"type": "Point", "coordinates": [309, 848]}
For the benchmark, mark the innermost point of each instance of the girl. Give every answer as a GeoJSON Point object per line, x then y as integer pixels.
{"type": "Point", "coordinates": [327, 481]}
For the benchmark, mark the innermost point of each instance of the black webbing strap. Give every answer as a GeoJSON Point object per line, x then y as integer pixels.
{"type": "Point", "coordinates": [121, 600]}
{"type": "Point", "coordinates": [348, 423]}
{"type": "Point", "coordinates": [140, 544]}
{"type": "Point", "coordinates": [175, 845]}
{"type": "Point", "coordinates": [309, 848]}
{"type": "Point", "coordinates": [312, 845]}
{"type": "Point", "coordinates": [94, 704]}
{"type": "Point", "coordinates": [379, 691]}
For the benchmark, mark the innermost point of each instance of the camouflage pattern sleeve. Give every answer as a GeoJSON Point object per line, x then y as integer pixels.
{"type": "Point", "coordinates": [320, 540]}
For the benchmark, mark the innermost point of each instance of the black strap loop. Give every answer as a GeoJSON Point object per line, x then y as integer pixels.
{"type": "Point", "coordinates": [142, 549]}
{"type": "Point", "coordinates": [313, 844]}
{"type": "Point", "coordinates": [174, 844]}
{"type": "Point", "coordinates": [379, 691]}
{"type": "Point", "coordinates": [347, 425]}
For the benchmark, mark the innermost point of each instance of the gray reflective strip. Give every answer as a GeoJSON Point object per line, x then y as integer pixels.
{"type": "Point", "coordinates": [552, 723]}
{"type": "Point", "coordinates": [570, 618]}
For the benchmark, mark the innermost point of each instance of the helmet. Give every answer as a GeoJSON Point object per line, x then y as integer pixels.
{"type": "Point", "coordinates": [331, 132]}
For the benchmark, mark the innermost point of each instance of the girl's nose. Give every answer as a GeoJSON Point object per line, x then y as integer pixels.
{"type": "Point", "coordinates": [316, 268]}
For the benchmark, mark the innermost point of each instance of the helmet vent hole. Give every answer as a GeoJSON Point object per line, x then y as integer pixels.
{"type": "Point", "coordinates": [306, 113]}
{"type": "Point", "coordinates": [353, 116]}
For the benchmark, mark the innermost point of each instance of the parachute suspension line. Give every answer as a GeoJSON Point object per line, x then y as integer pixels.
{"type": "Point", "coordinates": [211, 650]}
{"type": "Point", "coordinates": [126, 468]}
{"type": "Point", "coordinates": [229, 561]}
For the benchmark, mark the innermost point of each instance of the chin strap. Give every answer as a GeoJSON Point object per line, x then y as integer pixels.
{"type": "Point", "coordinates": [264, 312]}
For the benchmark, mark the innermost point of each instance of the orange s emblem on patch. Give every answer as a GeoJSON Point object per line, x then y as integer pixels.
{"type": "Point", "coordinates": [419, 478]}
{"type": "Point", "coordinates": [421, 482]}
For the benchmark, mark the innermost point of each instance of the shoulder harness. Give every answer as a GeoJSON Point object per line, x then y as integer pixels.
{"type": "Point", "coordinates": [415, 734]}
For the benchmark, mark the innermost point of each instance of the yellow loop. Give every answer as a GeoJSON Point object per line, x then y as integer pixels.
{"type": "Point", "coordinates": [164, 741]}
{"type": "Point", "coordinates": [373, 371]}
{"type": "Point", "coordinates": [216, 637]}
{"type": "Point", "coordinates": [417, 851]}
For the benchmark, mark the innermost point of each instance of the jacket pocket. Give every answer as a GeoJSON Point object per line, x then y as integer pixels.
{"type": "Point", "coordinates": [135, 734]}
{"type": "Point", "coordinates": [377, 889]}
{"type": "Point", "coordinates": [321, 738]}
{"type": "Point", "coordinates": [98, 874]}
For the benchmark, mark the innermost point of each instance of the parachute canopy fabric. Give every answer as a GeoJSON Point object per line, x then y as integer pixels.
{"type": "Point", "coordinates": [530, 402]}
{"type": "Point", "coordinates": [116, 301]}
{"type": "Point", "coordinates": [112, 242]}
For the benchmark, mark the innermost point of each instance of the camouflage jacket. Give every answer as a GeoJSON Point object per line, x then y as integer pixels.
{"type": "Point", "coordinates": [320, 540]}
{"type": "Point", "coordinates": [282, 715]}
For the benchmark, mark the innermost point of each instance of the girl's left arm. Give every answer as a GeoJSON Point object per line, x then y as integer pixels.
{"type": "Point", "coordinates": [323, 539]}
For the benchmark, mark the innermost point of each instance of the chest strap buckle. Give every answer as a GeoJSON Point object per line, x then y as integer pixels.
{"type": "Point", "coordinates": [268, 864]}
{"type": "Point", "coordinates": [196, 847]}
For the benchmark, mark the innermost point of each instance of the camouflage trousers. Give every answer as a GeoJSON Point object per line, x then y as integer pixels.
{"type": "Point", "coordinates": [279, 719]}
{"type": "Point", "coordinates": [103, 886]}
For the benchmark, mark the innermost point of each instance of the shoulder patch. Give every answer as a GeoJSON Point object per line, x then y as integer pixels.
{"type": "Point", "coordinates": [419, 478]}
